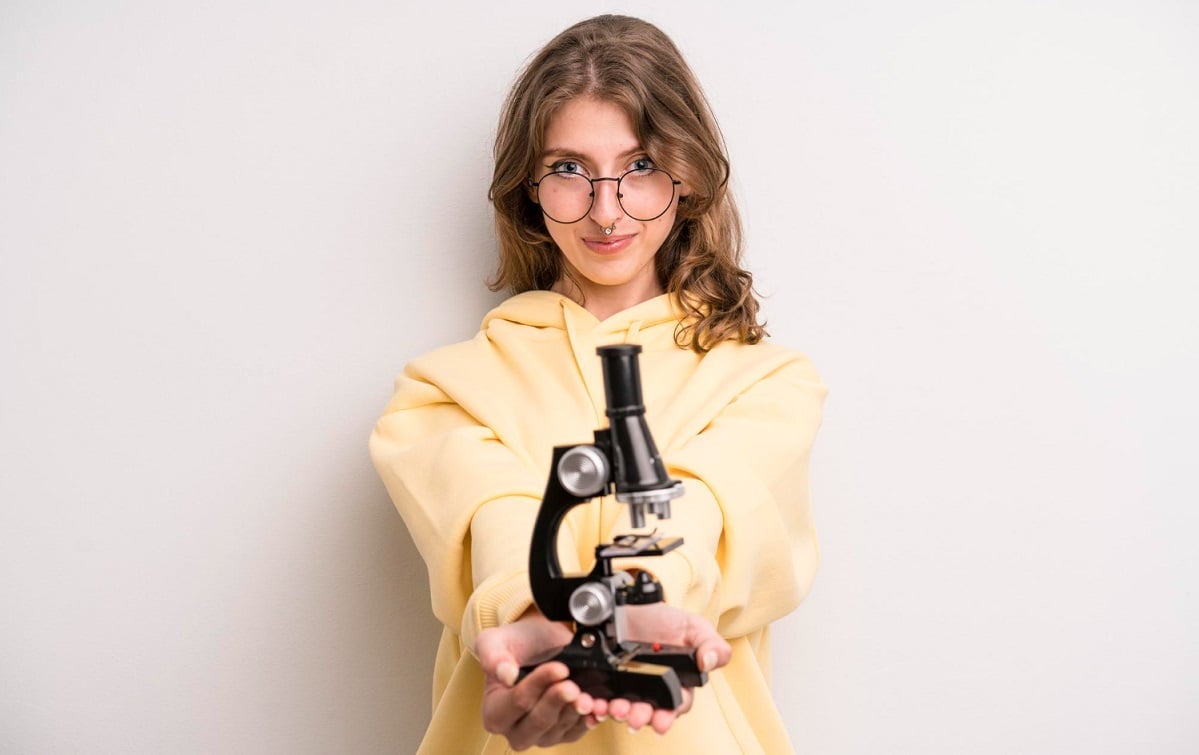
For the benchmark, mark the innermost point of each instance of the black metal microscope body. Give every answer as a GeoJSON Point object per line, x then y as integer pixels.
{"type": "Point", "coordinates": [602, 660]}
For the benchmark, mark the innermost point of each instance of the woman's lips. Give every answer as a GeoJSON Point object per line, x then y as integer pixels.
{"type": "Point", "coordinates": [608, 244]}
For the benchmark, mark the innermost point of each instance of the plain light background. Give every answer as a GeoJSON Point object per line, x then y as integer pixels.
{"type": "Point", "coordinates": [225, 226]}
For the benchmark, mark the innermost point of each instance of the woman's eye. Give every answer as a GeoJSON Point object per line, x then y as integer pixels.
{"type": "Point", "coordinates": [567, 166]}
{"type": "Point", "coordinates": [643, 163]}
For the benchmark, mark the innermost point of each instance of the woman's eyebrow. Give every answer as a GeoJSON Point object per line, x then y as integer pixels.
{"type": "Point", "coordinates": [566, 152]}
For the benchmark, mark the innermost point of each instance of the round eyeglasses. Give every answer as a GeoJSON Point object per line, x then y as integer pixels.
{"type": "Point", "coordinates": [643, 193]}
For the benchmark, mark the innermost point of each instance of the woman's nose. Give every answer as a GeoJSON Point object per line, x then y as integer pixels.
{"type": "Point", "coordinates": [605, 207]}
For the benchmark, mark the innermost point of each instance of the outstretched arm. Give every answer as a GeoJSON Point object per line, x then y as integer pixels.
{"type": "Point", "coordinates": [749, 552]}
{"type": "Point", "coordinates": [468, 499]}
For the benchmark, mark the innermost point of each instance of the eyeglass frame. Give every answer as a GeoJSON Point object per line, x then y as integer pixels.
{"type": "Point", "coordinates": [673, 193]}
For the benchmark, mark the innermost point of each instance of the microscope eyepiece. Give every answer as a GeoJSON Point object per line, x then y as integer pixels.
{"type": "Point", "coordinates": [622, 379]}
{"type": "Point", "coordinates": [639, 475]}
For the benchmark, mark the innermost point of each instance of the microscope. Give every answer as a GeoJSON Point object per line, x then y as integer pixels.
{"type": "Point", "coordinates": [602, 660]}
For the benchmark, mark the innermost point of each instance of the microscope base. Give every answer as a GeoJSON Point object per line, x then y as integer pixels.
{"type": "Point", "coordinates": [637, 671]}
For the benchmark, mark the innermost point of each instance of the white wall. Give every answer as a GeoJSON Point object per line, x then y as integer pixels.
{"type": "Point", "coordinates": [225, 226]}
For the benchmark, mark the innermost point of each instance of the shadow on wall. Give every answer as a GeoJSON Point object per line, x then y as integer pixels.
{"type": "Point", "coordinates": [404, 632]}
{"type": "Point", "coordinates": [350, 665]}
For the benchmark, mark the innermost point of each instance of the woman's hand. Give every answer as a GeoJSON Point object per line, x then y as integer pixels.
{"type": "Point", "coordinates": [658, 622]}
{"type": "Point", "coordinates": [546, 708]}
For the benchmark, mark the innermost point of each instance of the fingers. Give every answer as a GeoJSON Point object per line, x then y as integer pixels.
{"type": "Point", "coordinates": [711, 650]}
{"type": "Point", "coordinates": [495, 657]}
{"type": "Point", "coordinates": [618, 709]}
{"type": "Point", "coordinates": [663, 719]}
{"type": "Point", "coordinates": [599, 710]}
{"type": "Point", "coordinates": [584, 704]}
{"type": "Point", "coordinates": [685, 706]}
{"type": "Point", "coordinates": [667, 624]}
{"type": "Point", "coordinates": [574, 720]}
{"type": "Point", "coordinates": [635, 715]}
{"type": "Point", "coordinates": [713, 653]}
{"type": "Point", "coordinates": [502, 650]}
{"type": "Point", "coordinates": [639, 715]}
{"type": "Point", "coordinates": [552, 718]}
{"type": "Point", "coordinates": [545, 708]}
{"type": "Point", "coordinates": [573, 734]}
{"type": "Point", "coordinates": [504, 707]}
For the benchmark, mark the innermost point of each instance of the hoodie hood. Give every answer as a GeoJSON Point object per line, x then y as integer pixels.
{"type": "Point", "coordinates": [645, 323]}
{"type": "Point", "coordinates": [526, 325]}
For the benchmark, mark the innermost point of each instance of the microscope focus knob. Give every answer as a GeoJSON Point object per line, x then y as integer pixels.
{"type": "Point", "coordinates": [591, 604]}
{"type": "Point", "coordinates": [583, 471]}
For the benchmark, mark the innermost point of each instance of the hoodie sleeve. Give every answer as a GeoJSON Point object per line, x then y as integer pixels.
{"type": "Point", "coordinates": [451, 478]}
{"type": "Point", "coordinates": [750, 551]}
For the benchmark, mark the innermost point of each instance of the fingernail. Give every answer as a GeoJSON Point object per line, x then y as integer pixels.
{"type": "Point", "coordinates": [507, 672]}
{"type": "Point", "coordinates": [709, 661]}
{"type": "Point", "coordinates": [580, 710]}
{"type": "Point", "coordinates": [602, 718]}
{"type": "Point", "coordinates": [632, 730]}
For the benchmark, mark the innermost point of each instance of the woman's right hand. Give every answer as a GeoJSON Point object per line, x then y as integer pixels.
{"type": "Point", "coordinates": [545, 708]}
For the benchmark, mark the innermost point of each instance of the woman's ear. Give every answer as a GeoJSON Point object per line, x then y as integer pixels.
{"type": "Point", "coordinates": [531, 190]}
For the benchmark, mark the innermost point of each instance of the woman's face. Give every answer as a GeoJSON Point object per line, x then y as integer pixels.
{"type": "Point", "coordinates": [596, 139]}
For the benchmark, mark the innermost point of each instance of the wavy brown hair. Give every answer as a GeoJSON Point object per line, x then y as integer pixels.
{"type": "Point", "coordinates": [632, 64]}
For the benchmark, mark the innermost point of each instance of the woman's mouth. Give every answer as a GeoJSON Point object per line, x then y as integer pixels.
{"type": "Point", "coordinates": [608, 244]}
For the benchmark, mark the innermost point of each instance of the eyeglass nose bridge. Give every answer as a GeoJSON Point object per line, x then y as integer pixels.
{"type": "Point", "coordinates": [594, 181]}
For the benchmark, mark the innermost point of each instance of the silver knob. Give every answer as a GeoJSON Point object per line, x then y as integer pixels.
{"type": "Point", "coordinates": [583, 471]}
{"type": "Point", "coordinates": [591, 604]}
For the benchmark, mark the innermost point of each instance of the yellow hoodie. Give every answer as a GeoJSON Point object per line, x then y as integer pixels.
{"type": "Point", "coordinates": [464, 449]}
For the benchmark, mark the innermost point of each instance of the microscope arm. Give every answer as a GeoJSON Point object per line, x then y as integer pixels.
{"type": "Point", "coordinates": [551, 589]}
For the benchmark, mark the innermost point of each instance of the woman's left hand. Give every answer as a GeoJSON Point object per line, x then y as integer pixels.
{"type": "Point", "coordinates": [658, 622]}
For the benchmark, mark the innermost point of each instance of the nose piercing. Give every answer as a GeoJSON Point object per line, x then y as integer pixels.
{"type": "Point", "coordinates": [609, 229]}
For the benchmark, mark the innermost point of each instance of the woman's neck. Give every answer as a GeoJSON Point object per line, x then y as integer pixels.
{"type": "Point", "coordinates": [604, 301]}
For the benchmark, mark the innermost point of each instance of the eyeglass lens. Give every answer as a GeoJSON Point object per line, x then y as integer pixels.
{"type": "Point", "coordinates": [643, 195]}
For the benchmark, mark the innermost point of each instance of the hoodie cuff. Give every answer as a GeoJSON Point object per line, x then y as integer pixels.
{"type": "Point", "coordinates": [500, 599]}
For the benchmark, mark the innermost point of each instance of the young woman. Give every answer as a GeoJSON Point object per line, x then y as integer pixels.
{"type": "Point", "coordinates": [615, 225]}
